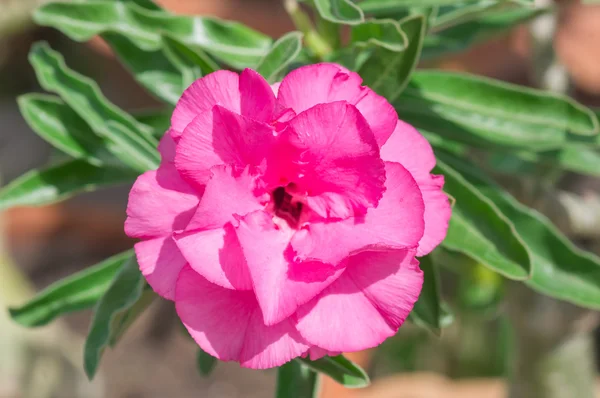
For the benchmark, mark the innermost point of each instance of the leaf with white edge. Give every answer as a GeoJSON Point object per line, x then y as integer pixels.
{"type": "Point", "coordinates": [387, 72]}
{"type": "Point", "coordinates": [560, 269]}
{"type": "Point", "coordinates": [58, 124]}
{"type": "Point", "coordinates": [58, 182]}
{"type": "Point", "coordinates": [340, 369]}
{"type": "Point", "coordinates": [480, 230]}
{"type": "Point", "coordinates": [296, 380]}
{"type": "Point", "coordinates": [125, 290]}
{"type": "Point", "coordinates": [123, 320]}
{"type": "Point", "coordinates": [151, 69]}
{"type": "Point", "coordinates": [192, 63]}
{"type": "Point", "coordinates": [339, 11]}
{"type": "Point", "coordinates": [158, 119]}
{"type": "Point", "coordinates": [488, 113]}
{"type": "Point", "coordinates": [282, 54]}
{"type": "Point", "coordinates": [427, 311]}
{"type": "Point", "coordinates": [74, 293]}
{"type": "Point", "coordinates": [205, 363]}
{"type": "Point", "coordinates": [463, 35]}
{"type": "Point", "coordinates": [126, 138]}
{"type": "Point", "coordinates": [385, 33]}
{"type": "Point", "coordinates": [229, 42]}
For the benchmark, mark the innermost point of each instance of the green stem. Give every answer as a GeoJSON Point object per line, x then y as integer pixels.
{"type": "Point", "coordinates": [313, 40]}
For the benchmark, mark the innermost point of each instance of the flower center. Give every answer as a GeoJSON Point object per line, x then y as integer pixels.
{"type": "Point", "coordinates": [286, 206]}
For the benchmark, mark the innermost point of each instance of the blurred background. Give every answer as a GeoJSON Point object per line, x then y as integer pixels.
{"type": "Point", "coordinates": [155, 360]}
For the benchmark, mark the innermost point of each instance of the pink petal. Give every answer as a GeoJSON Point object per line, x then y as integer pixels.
{"type": "Point", "coordinates": [257, 98]}
{"type": "Point", "coordinates": [280, 283]}
{"type": "Point", "coordinates": [333, 156]}
{"type": "Point", "coordinates": [159, 202]}
{"type": "Point", "coordinates": [228, 325]}
{"type": "Point", "coordinates": [216, 255]}
{"type": "Point", "coordinates": [217, 137]}
{"type": "Point", "coordinates": [228, 196]}
{"type": "Point", "coordinates": [409, 148]}
{"type": "Point", "coordinates": [397, 222]}
{"type": "Point", "coordinates": [166, 148]}
{"type": "Point", "coordinates": [315, 353]}
{"type": "Point", "coordinates": [217, 88]}
{"type": "Point", "coordinates": [249, 95]}
{"type": "Point", "coordinates": [310, 85]}
{"type": "Point", "coordinates": [160, 262]}
{"type": "Point", "coordinates": [366, 305]}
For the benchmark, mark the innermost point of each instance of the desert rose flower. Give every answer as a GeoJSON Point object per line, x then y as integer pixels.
{"type": "Point", "coordinates": [285, 220]}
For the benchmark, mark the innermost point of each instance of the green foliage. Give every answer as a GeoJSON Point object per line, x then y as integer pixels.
{"type": "Point", "coordinates": [296, 380]}
{"type": "Point", "coordinates": [478, 229]}
{"type": "Point", "coordinates": [205, 363]}
{"type": "Point", "coordinates": [59, 182]}
{"type": "Point", "coordinates": [428, 310]}
{"type": "Point", "coordinates": [282, 54]}
{"type": "Point", "coordinates": [229, 42]}
{"type": "Point", "coordinates": [487, 113]}
{"type": "Point", "coordinates": [518, 130]}
{"type": "Point", "coordinates": [77, 292]}
{"type": "Point", "coordinates": [115, 305]}
{"type": "Point", "coordinates": [340, 369]}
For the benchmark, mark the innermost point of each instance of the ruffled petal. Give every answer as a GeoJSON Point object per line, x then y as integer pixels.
{"type": "Point", "coordinates": [159, 203]}
{"type": "Point", "coordinates": [160, 262]}
{"type": "Point", "coordinates": [396, 223]}
{"type": "Point", "coordinates": [217, 88]}
{"type": "Point", "coordinates": [248, 94]}
{"type": "Point", "coordinates": [229, 195]}
{"type": "Point", "coordinates": [217, 137]}
{"type": "Point", "coordinates": [216, 255]}
{"type": "Point", "coordinates": [366, 305]}
{"type": "Point", "coordinates": [310, 85]}
{"type": "Point", "coordinates": [280, 283]}
{"type": "Point", "coordinates": [330, 153]}
{"type": "Point", "coordinates": [257, 97]}
{"type": "Point", "coordinates": [409, 148]}
{"type": "Point", "coordinates": [228, 324]}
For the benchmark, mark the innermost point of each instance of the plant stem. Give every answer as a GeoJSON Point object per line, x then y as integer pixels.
{"type": "Point", "coordinates": [313, 40]}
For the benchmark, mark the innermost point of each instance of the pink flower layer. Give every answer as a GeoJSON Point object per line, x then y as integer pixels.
{"type": "Point", "coordinates": [284, 220]}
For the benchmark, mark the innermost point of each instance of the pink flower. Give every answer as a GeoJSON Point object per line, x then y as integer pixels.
{"type": "Point", "coordinates": [284, 221]}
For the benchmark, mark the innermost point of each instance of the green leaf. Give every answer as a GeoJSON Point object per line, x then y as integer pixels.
{"type": "Point", "coordinates": [478, 229]}
{"type": "Point", "coordinates": [385, 33]}
{"type": "Point", "coordinates": [58, 124]}
{"type": "Point", "coordinates": [383, 7]}
{"type": "Point", "coordinates": [205, 362]}
{"type": "Point", "coordinates": [488, 113]}
{"type": "Point", "coordinates": [192, 63]}
{"type": "Point", "coordinates": [282, 54]}
{"type": "Point", "coordinates": [158, 119]}
{"type": "Point", "coordinates": [229, 42]}
{"type": "Point", "coordinates": [55, 183]}
{"type": "Point", "coordinates": [125, 290]}
{"type": "Point", "coordinates": [74, 293]}
{"type": "Point", "coordinates": [560, 269]}
{"type": "Point", "coordinates": [151, 69]}
{"type": "Point", "coordinates": [462, 36]}
{"type": "Point", "coordinates": [427, 311]}
{"type": "Point", "coordinates": [387, 72]}
{"type": "Point", "coordinates": [340, 369]}
{"type": "Point", "coordinates": [123, 320]}
{"type": "Point", "coordinates": [126, 138]}
{"type": "Point", "coordinates": [339, 11]}
{"type": "Point", "coordinates": [296, 380]}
